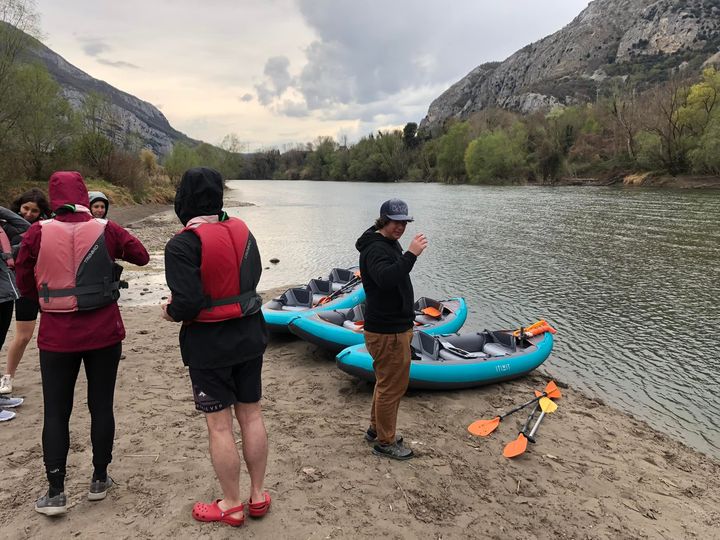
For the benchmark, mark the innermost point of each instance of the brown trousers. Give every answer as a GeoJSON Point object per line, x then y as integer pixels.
{"type": "Point", "coordinates": [391, 363]}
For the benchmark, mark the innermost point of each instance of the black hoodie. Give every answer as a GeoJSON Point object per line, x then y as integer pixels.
{"type": "Point", "coordinates": [207, 345]}
{"type": "Point", "coordinates": [385, 273]}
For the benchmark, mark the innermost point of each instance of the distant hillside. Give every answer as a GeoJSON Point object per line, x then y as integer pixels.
{"type": "Point", "coordinates": [132, 114]}
{"type": "Point", "coordinates": [612, 42]}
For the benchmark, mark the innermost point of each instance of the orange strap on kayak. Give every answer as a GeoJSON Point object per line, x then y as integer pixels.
{"type": "Point", "coordinates": [540, 330]}
{"type": "Point", "coordinates": [359, 323]}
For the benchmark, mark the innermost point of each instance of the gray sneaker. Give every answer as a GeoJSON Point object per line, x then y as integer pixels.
{"type": "Point", "coordinates": [371, 436]}
{"type": "Point", "coordinates": [7, 402]}
{"type": "Point", "coordinates": [394, 451]}
{"type": "Point", "coordinates": [51, 506]}
{"type": "Point", "coordinates": [6, 415]}
{"type": "Point", "coordinates": [99, 489]}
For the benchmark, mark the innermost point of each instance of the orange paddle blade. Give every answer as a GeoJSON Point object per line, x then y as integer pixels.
{"type": "Point", "coordinates": [516, 447]}
{"type": "Point", "coordinates": [551, 390]}
{"type": "Point", "coordinates": [432, 312]}
{"type": "Point", "coordinates": [483, 428]}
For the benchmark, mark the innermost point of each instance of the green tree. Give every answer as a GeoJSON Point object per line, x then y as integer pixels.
{"type": "Point", "coordinates": [662, 117]}
{"type": "Point", "coordinates": [320, 161]}
{"type": "Point", "coordinates": [180, 160]}
{"type": "Point", "coordinates": [233, 165]}
{"type": "Point", "coordinates": [18, 21]}
{"type": "Point", "coordinates": [410, 139]}
{"type": "Point", "coordinates": [451, 153]}
{"type": "Point", "coordinates": [705, 157]}
{"type": "Point", "coordinates": [47, 122]}
{"type": "Point", "coordinates": [496, 155]}
{"type": "Point", "coordinates": [391, 148]}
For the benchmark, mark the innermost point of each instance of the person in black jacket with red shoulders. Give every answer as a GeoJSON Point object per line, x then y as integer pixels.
{"type": "Point", "coordinates": [212, 268]}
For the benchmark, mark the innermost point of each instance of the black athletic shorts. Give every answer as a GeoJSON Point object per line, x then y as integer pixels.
{"type": "Point", "coordinates": [26, 309]}
{"type": "Point", "coordinates": [219, 388]}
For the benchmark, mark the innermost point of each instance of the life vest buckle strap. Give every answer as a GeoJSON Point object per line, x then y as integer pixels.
{"type": "Point", "coordinates": [238, 299]}
{"type": "Point", "coordinates": [106, 289]}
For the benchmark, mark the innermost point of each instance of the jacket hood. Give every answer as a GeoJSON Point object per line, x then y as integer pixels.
{"type": "Point", "coordinates": [99, 196]}
{"type": "Point", "coordinates": [200, 193]}
{"type": "Point", "coordinates": [67, 187]}
{"type": "Point", "coordinates": [370, 236]}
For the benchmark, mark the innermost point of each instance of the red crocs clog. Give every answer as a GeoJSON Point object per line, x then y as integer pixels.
{"type": "Point", "coordinates": [213, 512]}
{"type": "Point", "coordinates": [259, 509]}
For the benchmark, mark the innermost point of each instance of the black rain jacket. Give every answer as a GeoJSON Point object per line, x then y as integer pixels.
{"type": "Point", "coordinates": [207, 345]}
{"type": "Point", "coordinates": [385, 274]}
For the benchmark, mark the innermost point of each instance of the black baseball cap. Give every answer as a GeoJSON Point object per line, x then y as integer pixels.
{"type": "Point", "coordinates": [396, 210]}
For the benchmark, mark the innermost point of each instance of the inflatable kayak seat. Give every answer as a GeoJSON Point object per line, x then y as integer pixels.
{"type": "Point", "coordinates": [424, 346]}
{"type": "Point", "coordinates": [295, 298]}
{"type": "Point", "coordinates": [340, 275]}
{"type": "Point", "coordinates": [320, 286]}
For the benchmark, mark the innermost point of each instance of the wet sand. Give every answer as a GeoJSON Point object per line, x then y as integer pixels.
{"type": "Point", "coordinates": [595, 472]}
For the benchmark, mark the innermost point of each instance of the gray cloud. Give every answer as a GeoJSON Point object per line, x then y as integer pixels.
{"type": "Point", "coordinates": [295, 109]}
{"type": "Point", "coordinates": [94, 46]}
{"type": "Point", "coordinates": [246, 97]}
{"type": "Point", "coordinates": [117, 64]}
{"type": "Point", "coordinates": [368, 55]}
{"type": "Point", "coordinates": [277, 79]}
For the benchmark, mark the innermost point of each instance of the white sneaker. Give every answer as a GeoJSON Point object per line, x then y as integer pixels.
{"type": "Point", "coordinates": [6, 386]}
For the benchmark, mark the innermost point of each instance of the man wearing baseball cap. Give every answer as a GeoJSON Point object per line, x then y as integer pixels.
{"type": "Point", "coordinates": [389, 319]}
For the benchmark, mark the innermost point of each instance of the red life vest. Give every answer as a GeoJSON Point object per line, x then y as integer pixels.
{"type": "Point", "coordinates": [74, 271]}
{"type": "Point", "coordinates": [224, 248]}
{"type": "Point", "coordinates": [7, 255]}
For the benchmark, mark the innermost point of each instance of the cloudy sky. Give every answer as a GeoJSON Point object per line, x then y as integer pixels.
{"type": "Point", "coordinates": [278, 72]}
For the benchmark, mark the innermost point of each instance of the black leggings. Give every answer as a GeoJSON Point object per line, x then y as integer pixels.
{"type": "Point", "coordinates": [6, 313]}
{"type": "Point", "coordinates": [59, 373]}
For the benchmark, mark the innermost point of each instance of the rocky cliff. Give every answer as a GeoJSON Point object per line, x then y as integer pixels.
{"type": "Point", "coordinates": [637, 42]}
{"type": "Point", "coordinates": [130, 115]}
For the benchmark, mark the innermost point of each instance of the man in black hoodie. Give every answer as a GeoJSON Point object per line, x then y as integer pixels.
{"type": "Point", "coordinates": [389, 319]}
{"type": "Point", "coordinates": [212, 268]}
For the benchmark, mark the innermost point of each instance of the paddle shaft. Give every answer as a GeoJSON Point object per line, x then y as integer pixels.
{"type": "Point", "coordinates": [516, 409]}
{"type": "Point", "coordinates": [529, 419]}
{"type": "Point", "coordinates": [341, 290]}
{"type": "Point", "coordinates": [531, 436]}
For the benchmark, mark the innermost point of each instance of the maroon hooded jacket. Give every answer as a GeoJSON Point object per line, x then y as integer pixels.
{"type": "Point", "coordinates": [79, 330]}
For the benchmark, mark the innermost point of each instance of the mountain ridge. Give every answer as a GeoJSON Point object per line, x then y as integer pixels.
{"type": "Point", "coordinates": [609, 42]}
{"type": "Point", "coordinates": [131, 114]}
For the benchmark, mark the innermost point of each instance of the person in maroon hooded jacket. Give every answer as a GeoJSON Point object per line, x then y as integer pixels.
{"type": "Point", "coordinates": [67, 264]}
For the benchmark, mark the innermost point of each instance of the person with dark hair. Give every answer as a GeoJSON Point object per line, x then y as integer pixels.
{"type": "Point", "coordinates": [212, 267]}
{"type": "Point", "coordinates": [33, 206]}
{"type": "Point", "coordinates": [12, 226]}
{"type": "Point", "coordinates": [99, 204]}
{"type": "Point", "coordinates": [389, 319]}
{"type": "Point", "coordinates": [68, 264]}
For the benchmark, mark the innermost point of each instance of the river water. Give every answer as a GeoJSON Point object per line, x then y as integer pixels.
{"type": "Point", "coordinates": [629, 277]}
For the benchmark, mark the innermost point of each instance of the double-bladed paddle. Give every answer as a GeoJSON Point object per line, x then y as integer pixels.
{"type": "Point", "coordinates": [483, 428]}
{"type": "Point", "coordinates": [519, 445]}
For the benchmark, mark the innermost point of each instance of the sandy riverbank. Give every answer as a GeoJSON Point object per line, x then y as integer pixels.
{"type": "Point", "coordinates": [595, 472]}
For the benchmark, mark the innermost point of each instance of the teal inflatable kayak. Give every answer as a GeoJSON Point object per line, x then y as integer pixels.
{"type": "Point", "coordinates": [459, 360]}
{"type": "Point", "coordinates": [342, 289]}
{"type": "Point", "coordinates": [340, 328]}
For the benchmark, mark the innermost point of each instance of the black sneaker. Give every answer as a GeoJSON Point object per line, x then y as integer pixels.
{"type": "Point", "coordinates": [371, 436]}
{"type": "Point", "coordinates": [51, 506]}
{"type": "Point", "coordinates": [99, 489]}
{"type": "Point", "coordinates": [394, 451]}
